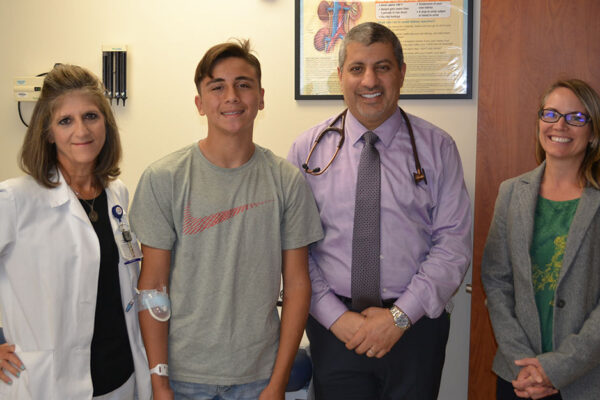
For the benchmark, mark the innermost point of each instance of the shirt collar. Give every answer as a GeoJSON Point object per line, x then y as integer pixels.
{"type": "Point", "coordinates": [58, 195]}
{"type": "Point", "coordinates": [385, 131]}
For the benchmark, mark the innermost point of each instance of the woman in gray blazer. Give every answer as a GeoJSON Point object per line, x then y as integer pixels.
{"type": "Point", "coordinates": [541, 263]}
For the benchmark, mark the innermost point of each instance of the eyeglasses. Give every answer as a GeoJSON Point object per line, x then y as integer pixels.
{"type": "Point", "coordinates": [573, 118]}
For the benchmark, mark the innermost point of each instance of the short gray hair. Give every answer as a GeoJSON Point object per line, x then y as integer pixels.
{"type": "Point", "coordinates": [368, 33]}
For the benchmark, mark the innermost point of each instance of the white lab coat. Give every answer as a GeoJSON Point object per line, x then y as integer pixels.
{"type": "Point", "coordinates": [49, 265]}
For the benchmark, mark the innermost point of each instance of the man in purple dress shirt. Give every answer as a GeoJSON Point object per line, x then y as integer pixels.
{"type": "Point", "coordinates": [395, 351]}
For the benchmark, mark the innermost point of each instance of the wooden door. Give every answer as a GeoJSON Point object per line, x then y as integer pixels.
{"type": "Point", "coordinates": [525, 45]}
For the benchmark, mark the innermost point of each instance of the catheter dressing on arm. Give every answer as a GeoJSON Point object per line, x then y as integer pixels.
{"type": "Point", "coordinates": [156, 302]}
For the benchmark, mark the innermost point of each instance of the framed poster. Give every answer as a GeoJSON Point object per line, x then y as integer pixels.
{"type": "Point", "coordinates": [436, 37]}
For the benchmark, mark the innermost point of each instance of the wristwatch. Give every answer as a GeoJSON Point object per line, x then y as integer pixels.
{"type": "Point", "coordinates": [401, 320]}
{"type": "Point", "coordinates": [160, 369]}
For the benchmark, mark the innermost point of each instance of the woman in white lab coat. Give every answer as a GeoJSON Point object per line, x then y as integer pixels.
{"type": "Point", "coordinates": [68, 264]}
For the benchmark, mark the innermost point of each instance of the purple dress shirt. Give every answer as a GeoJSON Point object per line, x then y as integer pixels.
{"type": "Point", "coordinates": [425, 230]}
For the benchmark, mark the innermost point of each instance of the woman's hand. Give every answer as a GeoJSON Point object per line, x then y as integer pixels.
{"type": "Point", "coordinates": [532, 381]}
{"type": "Point", "coordinates": [9, 362]}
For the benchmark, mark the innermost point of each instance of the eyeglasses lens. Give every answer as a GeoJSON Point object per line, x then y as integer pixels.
{"type": "Point", "coordinates": [574, 118]}
{"type": "Point", "coordinates": [549, 116]}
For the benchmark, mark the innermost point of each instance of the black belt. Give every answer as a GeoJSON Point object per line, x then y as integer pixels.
{"type": "Point", "coordinates": [348, 301]}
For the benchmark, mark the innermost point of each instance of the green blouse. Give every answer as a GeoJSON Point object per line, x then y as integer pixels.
{"type": "Point", "coordinates": [552, 222]}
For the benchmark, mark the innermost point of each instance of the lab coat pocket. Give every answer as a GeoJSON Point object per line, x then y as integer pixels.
{"type": "Point", "coordinates": [36, 381]}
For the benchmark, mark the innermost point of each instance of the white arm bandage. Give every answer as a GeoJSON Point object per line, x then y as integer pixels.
{"type": "Point", "coordinates": [156, 302]}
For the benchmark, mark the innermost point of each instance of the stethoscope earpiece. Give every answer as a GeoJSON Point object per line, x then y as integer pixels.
{"type": "Point", "coordinates": [330, 128]}
{"type": "Point", "coordinates": [420, 176]}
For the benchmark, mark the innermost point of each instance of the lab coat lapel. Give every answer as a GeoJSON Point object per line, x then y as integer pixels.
{"type": "Point", "coordinates": [63, 194]}
{"type": "Point", "coordinates": [112, 201]}
{"type": "Point", "coordinates": [59, 195]}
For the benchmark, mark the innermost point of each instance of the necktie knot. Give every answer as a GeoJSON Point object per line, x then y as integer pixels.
{"type": "Point", "coordinates": [370, 138]}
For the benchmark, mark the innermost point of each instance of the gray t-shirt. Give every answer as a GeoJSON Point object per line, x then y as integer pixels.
{"type": "Point", "coordinates": [226, 229]}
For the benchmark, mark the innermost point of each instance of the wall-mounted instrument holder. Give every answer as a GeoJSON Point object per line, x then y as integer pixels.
{"type": "Point", "coordinates": [114, 72]}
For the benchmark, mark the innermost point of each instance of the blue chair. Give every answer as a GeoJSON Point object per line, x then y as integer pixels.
{"type": "Point", "coordinates": [301, 372]}
{"type": "Point", "coordinates": [2, 339]}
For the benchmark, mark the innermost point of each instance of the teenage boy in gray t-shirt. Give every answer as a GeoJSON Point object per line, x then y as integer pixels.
{"type": "Point", "coordinates": [220, 222]}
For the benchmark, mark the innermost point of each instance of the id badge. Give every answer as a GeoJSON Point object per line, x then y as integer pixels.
{"type": "Point", "coordinates": [129, 246]}
{"type": "Point", "coordinates": [127, 242]}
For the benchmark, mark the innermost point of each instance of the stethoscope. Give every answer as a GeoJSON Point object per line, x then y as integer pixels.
{"type": "Point", "coordinates": [418, 176]}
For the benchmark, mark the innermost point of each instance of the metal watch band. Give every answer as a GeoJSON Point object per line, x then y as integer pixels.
{"type": "Point", "coordinates": [401, 320]}
{"type": "Point", "coordinates": [160, 369]}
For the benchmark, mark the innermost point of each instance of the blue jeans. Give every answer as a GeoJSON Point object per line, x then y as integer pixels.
{"type": "Point", "coordinates": [201, 391]}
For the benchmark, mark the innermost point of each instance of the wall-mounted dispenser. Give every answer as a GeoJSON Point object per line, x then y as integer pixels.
{"type": "Point", "coordinates": [28, 88]}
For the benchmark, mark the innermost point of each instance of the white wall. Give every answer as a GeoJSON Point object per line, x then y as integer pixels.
{"type": "Point", "coordinates": [165, 42]}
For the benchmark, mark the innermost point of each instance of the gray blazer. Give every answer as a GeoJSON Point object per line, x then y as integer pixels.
{"type": "Point", "coordinates": [574, 365]}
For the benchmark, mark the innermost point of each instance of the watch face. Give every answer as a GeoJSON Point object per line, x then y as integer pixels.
{"type": "Point", "coordinates": [402, 321]}
{"type": "Point", "coordinates": [400, 318]}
